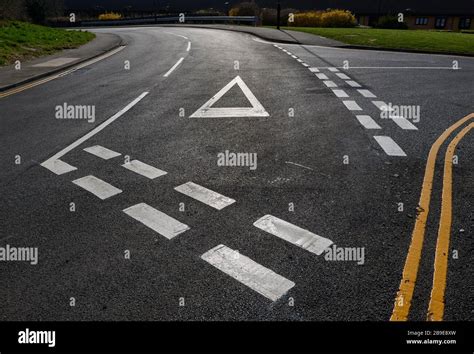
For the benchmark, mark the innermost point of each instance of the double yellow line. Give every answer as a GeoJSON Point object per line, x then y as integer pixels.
{"type": "Point", "coordinates": [60, 74]}
{"type": "Point", "coordinates": [404, 297]}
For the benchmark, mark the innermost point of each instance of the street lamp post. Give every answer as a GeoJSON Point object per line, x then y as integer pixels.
{"type": "Point", "coordinates": [278, 14]}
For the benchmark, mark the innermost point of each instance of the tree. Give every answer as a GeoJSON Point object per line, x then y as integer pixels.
{"type": "Point", "coordinates": [40, 10]}
{"type": "Point", "coordinates": [245, 9]}
{"type": "Point", "coordinates": [12, 10]}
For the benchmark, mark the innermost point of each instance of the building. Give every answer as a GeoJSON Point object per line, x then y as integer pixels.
{"type": "Point", "coordinates": [453, 15]}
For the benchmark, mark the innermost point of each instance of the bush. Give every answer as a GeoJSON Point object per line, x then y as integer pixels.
{"type": "Point", "coordinates": [285, 13]}
{"type": "Point", "coordinates": [245, 9]}
{"type": "Point", "coordinates": [390, 22]}
{"type": "Point", "coordinates": [269, 17]}
{"type": "Point", "coordinates": [110, 16]}
{"type": "Point", "coordinates": [208, 12]}
{"type": "Point", "coordinates": [329, 18]}
{"type": "Point", "coordinates": [40, 10]}
{"type": "Point", "coordinates": [12, 9]}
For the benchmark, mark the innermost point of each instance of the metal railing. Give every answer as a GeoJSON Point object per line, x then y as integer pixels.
{"type": "Point", "coordinates": [252, 20]}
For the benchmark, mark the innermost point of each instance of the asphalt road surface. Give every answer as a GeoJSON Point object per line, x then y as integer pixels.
{"type": "Point", "coordinates": [139, 244]}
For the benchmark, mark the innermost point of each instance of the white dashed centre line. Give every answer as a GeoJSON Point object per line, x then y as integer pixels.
{"type": "Point", "coordinates": [156, 220]}
{"type": "Point", "coordinates": [173, 68]}
{"type": "Point", "coordinates": [248, 272]}
{"type": "Point", "coordinates": [189, 47]}
{"type": "Point", "coordinates": [293, 234]}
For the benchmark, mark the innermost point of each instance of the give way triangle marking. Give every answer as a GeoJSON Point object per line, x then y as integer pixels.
{"type": "Point", "coordinates": [257, 110]}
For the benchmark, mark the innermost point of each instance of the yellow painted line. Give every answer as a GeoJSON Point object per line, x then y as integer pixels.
{"type": "Point", "coordinates": [401, 308]}
{"type": "Point", "coordinates": [61, 74]}
{"type": "Point", "coordinates": [436, 306]}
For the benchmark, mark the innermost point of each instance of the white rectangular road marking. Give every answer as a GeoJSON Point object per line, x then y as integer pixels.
{"type": "Point", "coordinates": [47, 164]}
{"type": "Point", "coordinates": [189, 47]}
{"type": "Point", "coordinates": [330, 83]}
{"type": "Point", "coordinates": [334, 70]}
{"type": "Point", "coordinates": [343, 76]}
{"type": "Point", "coordinates": [382, 105]}
{"type": "Point", "coordinates": [58, 167]}
{"type": "Point", "coordinates": [96, 186]}
{"type": "Point", "coordinates": [353, 83]}
{"type": "Point", "coordinates": [173, 68]}
{"type": "Point", "coordinates": [314, 70]}
{"type": "Point", "coordinates": [55, 62]}
{"type": "Point", "coordinates": [204, 195]}
{"type": "Point", "coordinates": [299, 60]}
{"type": "Point", "coordinates": [258, 278]}
{"type": "Point", "coordinates": [144, 169]}
{"type": "Point", "coordinates": [367, 93]}
{"type": "Point", "coordinates": [156, 220]}
{"type": "Point", "coordinates": [390, 147]}
{"type": "Point", "coordinates": [294, 56]}
{"type": "Point", "coordinates": [402, 122]}
{"type": "Point", "coordinates": [340, 93]}
{"type": "Point", "coordinates": [305, 65]}
{"type": "Point", "coordinates": [322, 77]}
{"type": "Point", "coordinates": [367, 122]}
{"type": "Point", "coordinates": [352, 105]}
{"type": "Point", "coordinates": [102, 152]}
{"type": "Point", "coordinates": [293, 234]}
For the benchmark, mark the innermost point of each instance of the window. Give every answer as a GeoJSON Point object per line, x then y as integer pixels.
{"type": "Point", "coordinates": [464, 22]}
{"type": "Point", "coordinates": [440, 22]}
{"type": "Point", "coordinates": [422, 21]}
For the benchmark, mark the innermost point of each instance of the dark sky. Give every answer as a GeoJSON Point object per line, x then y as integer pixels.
{"type": "Point", "coordinates": [177, 4]}
{"type": "Point", "coordinates": [362, 6]}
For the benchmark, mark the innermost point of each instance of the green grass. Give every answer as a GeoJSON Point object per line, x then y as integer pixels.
{"type": "Point", "coordinates": [22, 41]}
{"type": "Point", "coordinates": [432, 41]}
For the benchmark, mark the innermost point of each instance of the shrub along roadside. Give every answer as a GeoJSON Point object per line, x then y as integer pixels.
{"type": "Point", "coordinates": [330, 18]}
{"type": "Point", "coordinates": [23, 41]}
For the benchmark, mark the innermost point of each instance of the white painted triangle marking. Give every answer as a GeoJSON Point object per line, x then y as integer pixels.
{"type": "Point", "coordinates": [257, 110]}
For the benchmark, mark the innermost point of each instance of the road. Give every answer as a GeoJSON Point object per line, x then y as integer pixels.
{"type": "Point", "coordinates": [318, 168]}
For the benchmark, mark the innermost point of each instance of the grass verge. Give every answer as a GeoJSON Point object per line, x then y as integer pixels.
{"type": "Point", "coordinates": [23, 41]}
{"type": "Point", "coordinates": [422, 40]}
